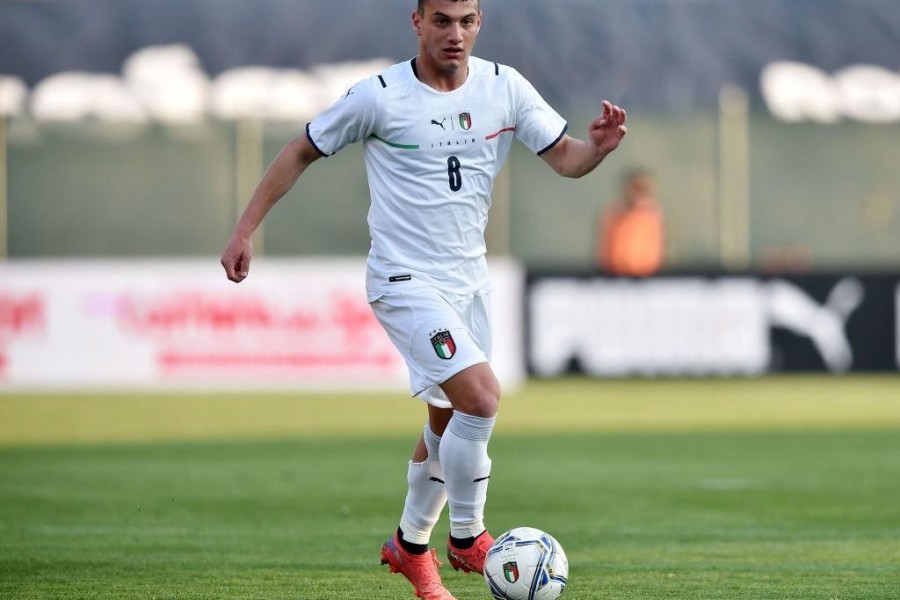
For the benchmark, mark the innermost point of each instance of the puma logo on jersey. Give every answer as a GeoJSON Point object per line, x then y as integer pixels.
{"type": "Point", "coordinates": [440, 124]}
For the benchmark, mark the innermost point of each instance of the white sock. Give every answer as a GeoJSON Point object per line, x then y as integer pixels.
{"type": "Point", "coordinates": [427, 493]}
{"type": "Point", "coordinates": [467, 467]}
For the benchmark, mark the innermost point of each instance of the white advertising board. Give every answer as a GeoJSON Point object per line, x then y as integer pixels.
{"type": "Point", "coordinates": [293, 324]}
{"type": "Point", "coordinates": [615, 327]}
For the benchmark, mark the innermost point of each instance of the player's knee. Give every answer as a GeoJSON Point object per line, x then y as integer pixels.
{"type": "Point", "coordinates": [488, 405]}
{"type": "Point", "coordinates": [474, 391]}
{"type": "Point", "coordinates": [483, 401]}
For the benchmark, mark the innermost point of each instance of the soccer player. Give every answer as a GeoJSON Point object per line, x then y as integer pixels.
{"type": "Point", "coordinates": [435, 132]}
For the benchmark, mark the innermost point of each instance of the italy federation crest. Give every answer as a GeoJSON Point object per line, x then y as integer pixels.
{"type": "Point", "coordinates": [511, 571]}
{"type": "Point", "coordinates": [465, 120]}
{"type": "Point", "coordinates": [443, 344]}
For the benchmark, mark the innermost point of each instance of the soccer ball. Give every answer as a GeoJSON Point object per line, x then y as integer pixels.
{"type": "Point", "coordinates": [526, 564]}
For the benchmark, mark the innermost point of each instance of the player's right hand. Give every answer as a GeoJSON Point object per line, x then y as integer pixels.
{"type": "Point", "coordinates": [236, 258]}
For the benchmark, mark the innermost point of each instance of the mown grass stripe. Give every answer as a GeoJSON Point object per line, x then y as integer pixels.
{"type": "Point", "coordinates": [570, 405]}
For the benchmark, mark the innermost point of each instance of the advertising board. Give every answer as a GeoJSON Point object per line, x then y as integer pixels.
{"type": "Point", "coordinates": [293, 324]}
{"type": "Point", "coordinates": [712, 325]}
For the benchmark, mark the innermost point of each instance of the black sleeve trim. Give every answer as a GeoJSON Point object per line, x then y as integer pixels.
{"type": "Point", "coordinates": [556, 141]}
{"type": "Point", "coordinates": [496, 69]}
{"type": "Point", "coordinates": [309, 137]}
{"type": "Point", "coordinates": [381, 79]}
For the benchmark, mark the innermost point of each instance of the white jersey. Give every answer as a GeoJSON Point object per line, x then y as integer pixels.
{"type": "Point", "coordinates": [431, 159]}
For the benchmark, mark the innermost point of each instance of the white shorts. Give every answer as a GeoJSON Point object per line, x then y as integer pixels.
{"type": "Point", "coordinates": [437, 335]}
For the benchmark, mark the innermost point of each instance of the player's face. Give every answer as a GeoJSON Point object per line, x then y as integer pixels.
{"type": "Point", "coordinates": [447, 32]}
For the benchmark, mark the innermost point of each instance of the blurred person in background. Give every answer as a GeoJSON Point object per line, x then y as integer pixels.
{"type": "Point", "coordinates": [631, 232]}
{"type": "Point", "coordinates": [435, 132]}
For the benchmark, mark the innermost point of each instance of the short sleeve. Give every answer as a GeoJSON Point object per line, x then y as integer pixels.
{"type": "Point", "coordinates": [538, 126]}
{"type": "Point", "coordinates": [350, 119]}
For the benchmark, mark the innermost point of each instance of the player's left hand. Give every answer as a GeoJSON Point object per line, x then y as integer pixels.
{"type": "Point", "coordinates": [608, 130]}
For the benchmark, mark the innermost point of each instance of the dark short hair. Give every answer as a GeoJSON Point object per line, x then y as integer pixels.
{"type": "Point", "coordinates": [422, 4]}
{"type": "Point", "coordinates": [634, 173]}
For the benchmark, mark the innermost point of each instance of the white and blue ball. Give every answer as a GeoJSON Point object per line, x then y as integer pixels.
{"type": "Point", "coordinates": [526, 564]}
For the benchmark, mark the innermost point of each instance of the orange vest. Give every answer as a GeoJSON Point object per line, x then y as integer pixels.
{"type": "Point", "coordinates": [632, 241]}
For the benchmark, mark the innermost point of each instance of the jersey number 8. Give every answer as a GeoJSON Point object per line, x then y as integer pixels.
{"type": "Point", "coordinates": [453, 173]}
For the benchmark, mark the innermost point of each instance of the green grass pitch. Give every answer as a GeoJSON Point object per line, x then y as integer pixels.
{"type": "Point", "coordinates": [779, 488]}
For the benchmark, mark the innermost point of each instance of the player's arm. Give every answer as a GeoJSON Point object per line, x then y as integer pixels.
{"type": "Point", "coordinates": [571, 157]}
{"type": "Point", "coordinates": [280, 177]}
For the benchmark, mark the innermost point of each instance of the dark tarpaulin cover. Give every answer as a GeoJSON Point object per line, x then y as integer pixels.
{"type": "Point", "coordinates": [656, 54]}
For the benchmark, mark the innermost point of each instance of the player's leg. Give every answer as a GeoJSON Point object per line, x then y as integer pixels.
{"type": "Point", "coordinates": [426, 494]}
{"type": "Point", "coordinates": [407, 550]}
{"type": "Point", "coordinates": [475, 395]}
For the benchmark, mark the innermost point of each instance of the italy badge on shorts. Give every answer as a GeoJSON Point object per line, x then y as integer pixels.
{"type": "Point", "coordinates": [443, 344]}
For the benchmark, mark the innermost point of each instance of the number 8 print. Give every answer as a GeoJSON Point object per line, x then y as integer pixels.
{"type": "Point", "coordinates": [453, 173]}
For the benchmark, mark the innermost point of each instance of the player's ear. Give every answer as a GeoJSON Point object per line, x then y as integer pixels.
{"type": "Point", "coordinates": [417, 22]}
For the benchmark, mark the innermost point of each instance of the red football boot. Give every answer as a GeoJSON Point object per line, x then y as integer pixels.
{"type": "Point", "coordinates": [471, 559]}
{"type": "Point", "coordinates": [420, 569]}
